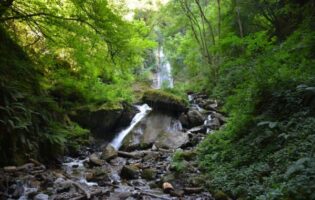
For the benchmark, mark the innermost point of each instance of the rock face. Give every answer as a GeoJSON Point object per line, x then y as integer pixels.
{"type": "Point", "coordinates": [105, 118]}
{"type": "Point", "coordinates": [157, 128]}
{"type": "Point", "coordinates": [163, 101]}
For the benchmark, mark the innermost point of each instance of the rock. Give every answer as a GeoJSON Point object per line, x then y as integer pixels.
{"type": "Point", "coordinates": [154, 148]}
{"type": "Point", "coordinates": [164, 101]}
{"type": "Point", "coordinates": [98, 174]}
{"type": "Point", "coordinates": [41, 196]}
{"type": "Point", "coordinates": [93, 158]}
{"type": "Point", "coordinates": [17, 189]}
{"type": "Point", "coordinates": [219, 195]}
{"type": "Point", "coordinates": [109, 153]}
{"type": "Point", "coordinates": [192, 190]}
{"type": "Point", "coordinates": [89, 176]}
{"type": "Point", "coordinates": [171, 140]}
{"type": "Point", "coordinates": [148, 174]}
{"type": "Point", "coordinates": [155, 128]}
{"type": "Point", "coordinates": [10, 169]}
{"type": "Point", "coordinates": [198, 129]}
{"type": "Point", "coordinates": [129, 172]}
{"type": "Point", "coordinates": [195, 118]}
{"type": "Point", "coordinates": [220, 117]}
{"type": "Point", "coordinates": [168, 178]}
{"type": "Point", "coordinates": [213, 124]}
{"type": "Point", "coordinates": [27, 167]}
{"type": "Point", "coordinates": [183, 118]}
{"type": "Point", "coordinates": [167, 187]}
{"type": "Point", "coordinates": [61, 185]}
{"type": "Point", "coordinates": [105, 118]}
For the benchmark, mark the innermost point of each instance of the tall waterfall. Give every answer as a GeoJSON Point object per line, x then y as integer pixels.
{"type": "Point", "coordinates": [163, 77]}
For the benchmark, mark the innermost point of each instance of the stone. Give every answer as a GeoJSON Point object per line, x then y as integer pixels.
{"type": "Point", "coordinates": [183, 118]}
{"type": "Point", "coordinates": [192, 190]}
{"type": "Point", "coordinates": [195, 118]}
{"type": "Point", "coordinates": [89, 176]}
{"type": "Point", "coordinates": [167, 187]}
{"type": "Point", "coordinates": [109, 153]}
{"type": "Point", "coordinates": [220, 117]}
{"type": "Point", "coordinates": [148, 174]}
{"type": "Point", "coordinates": [41, 196]}
{"type": "Point", "coordinates": [10, 169]}
{"type": "Point", "coordinates": [219, 195]}
{"type": "Point", "coordinates": [62, 185]}
{"type": "Point", "coordinates": [98, 174]}
{"type": "Point", "coordinates": [172, 140]}
{"type": "Point", "coordinates": [198, 129]}
{"type": "Point", "coordinates": [94, 159]}
{"type": "Point", "coordinates": [105, 118]}
{"type": "Point", "coordinates": [129, 172]}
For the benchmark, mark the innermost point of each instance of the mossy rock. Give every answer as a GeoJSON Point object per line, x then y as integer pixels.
{"type": "Point", "coordinates": [219, 195]}
{"type": "Point", "coordinates": [149, 174]}
{"type": "Point", "coordinates": [164, 101]}
{"type": "Point", "coordinates": [104, 118]}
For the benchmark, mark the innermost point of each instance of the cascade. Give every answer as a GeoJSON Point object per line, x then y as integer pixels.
{"type": "Point", "coordinates": [163, 76]}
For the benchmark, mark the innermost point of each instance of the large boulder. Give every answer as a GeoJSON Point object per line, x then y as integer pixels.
{"type": "Point", "coordinates": [195, 118]}
{"type": "Point", "coordinates": [129, 172]}
{"type": "Point", "coordinates": [105, 118]}
{"type": "Point", "coordinates": [109, 153]}
{"type": "Point", "coordinates": [163, 101]}
{"type": "Point", "coordinates": [156, 128]}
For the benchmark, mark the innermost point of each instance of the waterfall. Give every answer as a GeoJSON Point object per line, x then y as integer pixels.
{"type": "Point", "coordinates": [164, 72]}
{"type": "Point", "coordinates": [144, 110]}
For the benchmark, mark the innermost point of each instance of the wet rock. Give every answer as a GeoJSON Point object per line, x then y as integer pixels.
{"type": "Point", "coordinates": [99, 174]}
{"type": "Point", "coordinates": [61, 185]}
{"type": "Point", "coordinates": [198, 129]}
{"type": "Point", "coordinates": [192, 190]}
{"type": "Point", "coordinates": [168, 178]}
{"type": "Point", "coordinates": [220, 117]}
{"type": "Point", "coordinates": [109, 153]}
{"type": "Point", "coordinates": [89, 176]}
{"type": "Point", "coordinates": [213, 124]}
{"type": "Point", "coordinates": [219, 195]}
{"type": "Point", "coordinates": [148, 174]}
{"type": "Point", "coordinates": [129, 172]}
{"type": "Point", "coordinates": [26, 167]}
{"type": "Point", "coordinates": [41, 196]}
{"type": "Point", "coordinates": [195, 118]}
{"type": "Point", "coordinates": [167, 187]}
{"type": "Point", "coordinates": [154, 148]}
{"type": "Point", "coordinates": [94, 159]}
{"type": "Point", "coordinates": [16, 190]}
{"type": "Point", "coordinates": [10, 169]}
{"type": "Point", "coordinates": [183, 118]}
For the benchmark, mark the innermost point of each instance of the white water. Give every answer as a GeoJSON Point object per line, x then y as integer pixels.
{"type": "Point", "coordinates": [164, 72]}
{"type": "Point", "coordinates": [144, 110]}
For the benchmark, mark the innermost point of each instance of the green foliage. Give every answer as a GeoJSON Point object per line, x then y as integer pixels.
{"type": "Point", "coordinates": [259, 53]}
{"type": "Point", "coordinates": [178, 163]}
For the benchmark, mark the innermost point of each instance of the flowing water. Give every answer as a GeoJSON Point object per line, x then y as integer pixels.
{"type": "Point", "coordinates": [164, 71]}
{"type": "Point", "coordinates": [144, 110]}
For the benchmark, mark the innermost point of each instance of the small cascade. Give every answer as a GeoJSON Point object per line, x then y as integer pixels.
{"type": "Point", "coordinates": [144, 110]}
{"type": "Point", "coordinates": [164, 72]}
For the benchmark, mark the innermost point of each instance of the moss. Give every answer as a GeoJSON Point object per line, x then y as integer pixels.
{"type": "Point", "coordinates": [164, 101]}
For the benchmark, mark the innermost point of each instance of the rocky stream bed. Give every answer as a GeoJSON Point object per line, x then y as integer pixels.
{"type": "Point", "coordinates": [138, 170]}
